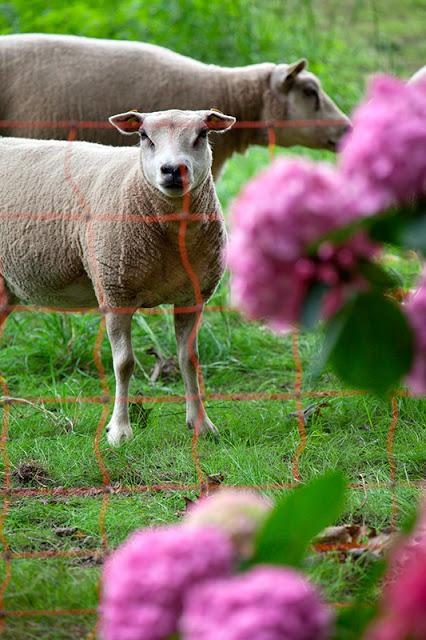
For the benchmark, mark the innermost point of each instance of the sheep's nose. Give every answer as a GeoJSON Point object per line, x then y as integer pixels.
{"type": "Point", "coordinates": [175, 172]}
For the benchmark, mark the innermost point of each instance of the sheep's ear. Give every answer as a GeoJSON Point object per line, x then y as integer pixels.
{"type": "Point", "coordinates": [293, 70]}
{"type": "Point", "coordinates": [128, 123]}
{"type": "Point", "coordinates": [217, 121]}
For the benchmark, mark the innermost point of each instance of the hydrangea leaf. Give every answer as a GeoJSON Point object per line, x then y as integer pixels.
{"type": "Point", "coordinates": [298, 518]}
{"type": "Point", "coordinates": [352, 622]}
{"type": "Point", "coordinates": [373, 348]}
{"type": "Point", "coordinates": [404, 227]}
{"type": "Point", "coordinates": [387, 228]}
{"type": "Point", "coordinates": [340, 235]}
{"type": "Point", "coordinates": [378, 277]}
{"type": "Point", "coordinates": [311, 310]}
{"type": "Point", "coordinates": [414, 235]}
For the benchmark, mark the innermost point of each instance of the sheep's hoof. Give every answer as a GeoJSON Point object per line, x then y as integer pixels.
{"type": "Point", "coordinates": [117, 433]}
{"type": "Point", "coordinates": [206, 428]}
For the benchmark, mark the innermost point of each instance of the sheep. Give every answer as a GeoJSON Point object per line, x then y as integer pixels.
{"type": "Point", "coordinates": [85, 225]}
{"type": "Point", "coordinates": [68, 78]}
{"type": "Point", "coordinates": [419, 76]}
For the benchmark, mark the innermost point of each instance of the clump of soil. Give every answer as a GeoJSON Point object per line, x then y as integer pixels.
{"type": "Point", "coordinates": [31, 474]}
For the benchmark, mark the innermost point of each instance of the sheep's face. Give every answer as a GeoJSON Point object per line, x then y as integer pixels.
{"type": "Point", "coordinates": [175, 152]}
{"type": "Point", "coordinates": [295, 95]}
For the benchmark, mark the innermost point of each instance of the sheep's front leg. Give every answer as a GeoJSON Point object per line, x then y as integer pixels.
{"type": "Point", "coordinates": [187, 350]}
{"type": "Point", "coordinates": [120, 336]}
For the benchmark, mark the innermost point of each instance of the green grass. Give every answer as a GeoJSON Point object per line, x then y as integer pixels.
{"type": "Point", "coordinates": [52, 355]}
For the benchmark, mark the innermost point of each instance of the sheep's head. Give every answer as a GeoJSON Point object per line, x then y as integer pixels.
{"type": "Point", "coordinates": [175, 150]}
{"type": "Point", "coordinates": [294, 94]}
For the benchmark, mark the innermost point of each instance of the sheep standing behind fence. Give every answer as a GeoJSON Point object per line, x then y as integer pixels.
{"type": "Point", "coordinates": [48, 79]}
{"type": "Point", "coordinates": [86, 225]}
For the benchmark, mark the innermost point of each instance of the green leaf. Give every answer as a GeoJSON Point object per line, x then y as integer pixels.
{"type": "Point", "coordinates": [404, 227]}
{"type": "Point", "coordinates": [334, 327]}
{"type": "Point", "coordinates": [311, 310]}
{"type": "Point", "coordinates": [388, 228]}
{"type": "Point", "coordinates": [352, 621]}
{"type": "Point", "coordinates": [298, 518]}
{"type": "Point", "coordinates": [373, 348]}
{"type": "Point", "coordinates": [414, 235]}
{"type": "Point", "coordinates": [341, 234]}
{"type": "Point", "coordinates": [378, 277]}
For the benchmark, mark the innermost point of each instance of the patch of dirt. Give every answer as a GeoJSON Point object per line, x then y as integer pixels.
{"type": "Point", "coordinates": [31, 474]}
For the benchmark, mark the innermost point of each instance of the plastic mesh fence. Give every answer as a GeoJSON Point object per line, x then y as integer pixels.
{"type": "Point", "coordinates": [105, 398]}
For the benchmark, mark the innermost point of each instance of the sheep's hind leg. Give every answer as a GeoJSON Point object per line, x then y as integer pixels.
{"type": "Point", "coordinates": [119, 333]}
{"type": "Point", "coordinates": [187, 349]}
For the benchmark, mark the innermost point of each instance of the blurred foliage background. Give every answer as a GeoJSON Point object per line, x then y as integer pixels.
{"type": "Point", "coordinates": [343, 39]}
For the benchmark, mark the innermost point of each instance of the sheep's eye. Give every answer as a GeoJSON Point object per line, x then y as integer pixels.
{"type": "Point", "coordinates": [143, 136]}
{"type": "Point", "coordinates": [310, 93]}
{"type": "Point", "coordinates": [202, 135]}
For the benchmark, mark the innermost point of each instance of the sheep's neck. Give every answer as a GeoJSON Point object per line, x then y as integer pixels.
{"type": "Point", "coordinates": [146, 200]}
{"type": "Point", "coordinates": [242, 90]}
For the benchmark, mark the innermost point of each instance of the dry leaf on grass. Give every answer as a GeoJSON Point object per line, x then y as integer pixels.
{"type": "Point", "coordinates": [211, 484]}
{"type": "Point", "coordinates": [353, 540]}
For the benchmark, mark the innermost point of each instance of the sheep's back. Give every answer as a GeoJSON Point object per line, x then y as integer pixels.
{"type": "Point", "coordinates": [71, 78]}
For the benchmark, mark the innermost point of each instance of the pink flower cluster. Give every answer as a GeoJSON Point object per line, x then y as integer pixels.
{"type": "Point", "coordinates": [416, 312]}
{"type": "Point", "coordinates": [384, 157]}
{"type": "Point", "coordinates": [403, 607]}
{"type": "Point", "coordinates": [285, 211]}
{"type": "Point", "coordinates": [145, 581]}
{"type": "Point", "coordinates": [178, 580]}
{"type": "Point", "coordinates": [238, 513]}
{"type": "Point", "coordinates": [266, 603]}
{"type": "Point", "coordinates": [277, 218]}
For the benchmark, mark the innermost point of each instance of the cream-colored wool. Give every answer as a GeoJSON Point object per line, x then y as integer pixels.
{"type": "Point", "coordinates": [73, 234]}
{"type": "Point", "coordinates": [62, 78]}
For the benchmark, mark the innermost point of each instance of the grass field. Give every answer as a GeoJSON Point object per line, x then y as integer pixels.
{"type": "Point", "coordinates": [52, 445]}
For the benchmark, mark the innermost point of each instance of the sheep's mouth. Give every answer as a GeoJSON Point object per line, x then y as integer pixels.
{"type": "Point", "coordinates": [173, 186]}
{"type": "Point", "coordinates": [173, 189]}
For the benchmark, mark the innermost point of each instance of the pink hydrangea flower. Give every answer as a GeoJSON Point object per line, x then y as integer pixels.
{"type": "Point", "coordinates": [403, 607]}
{"type": "Point", "coordinates": [416, 312]}
{"type": "Point", "coordinates": [404, 602]}
{"type": "Point", "coordinates": [266, 603]}
{"type": "Point", "coordinates": [276, 219]}
{"type": "Point", "coordinates": [407, 548]}
{"type": "Point", "coordinates": [239, 514]}
{"type": "Point", "coordinates": [146, 579]}
{"type": "Point", "coordinates": [384, 156]}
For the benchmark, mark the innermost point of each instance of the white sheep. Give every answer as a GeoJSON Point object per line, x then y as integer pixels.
{"type": "Point", "coordinates": [83, 224]}
{"type": "Point", "coordinates": [67, 78]}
